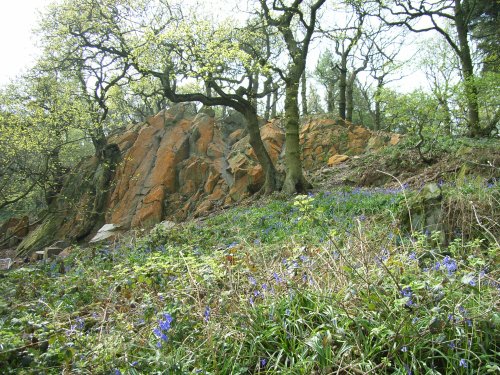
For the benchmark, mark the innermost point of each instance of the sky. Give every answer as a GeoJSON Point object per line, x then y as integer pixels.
{"type": "Point", "coordinates": [17, 43]}
{"type": "Point", "coordinates": [18, 18]}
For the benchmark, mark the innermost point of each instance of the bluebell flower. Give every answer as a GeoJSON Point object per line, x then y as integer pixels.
{"type": "Point", "coordinates": [263, 362]}
{"type": "Point", "coordinates": [157, 332]}
{"type": "Point", "coordinates": [168, 318]}
{"type": "Point", "coordinates": [277, 277]}
{"type": "Point", "coordinates": [450, 264]}
{"type": "Point", "coordinates": [80, 323]}
{"type": "Point", "coordinates": [412, 256]}
{"type": "Point", "coordinates": [404, 349]}
{"type": "Point", "coordinates": [406, 292]}
{"type": "Point", "coordinates": [135, 363]}
{"type": "Point", "coordinates": [463, 363]}
{"type": "Point", "coordinates": [206, 314]}
{"type": "Point", "coordinates": [164, 325]}
{"type": "Point", "coordinates": [252, 280]}
{"type": "Point", "coordinates": [117, 372]}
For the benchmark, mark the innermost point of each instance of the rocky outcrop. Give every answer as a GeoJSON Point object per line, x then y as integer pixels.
{"type": "Point", "coordinates": [80, 206]}
{"type": "Point", "coordinates": [13, 230]}
{"type": "Point", "coordinates": [183, 162]}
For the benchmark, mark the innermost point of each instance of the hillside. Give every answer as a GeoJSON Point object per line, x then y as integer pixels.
{"type": "Point", "coordinates": [179, 164]}
{"type": "Point", "coordinates": [363, 275]}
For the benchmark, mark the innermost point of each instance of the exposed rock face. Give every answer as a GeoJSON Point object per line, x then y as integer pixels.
{"type": "Point", "coordinates": [13, 230]}
{"type": "Point", "coordinates": [183, 163]}
{"type": "Point", "coordinates": [79, 208]}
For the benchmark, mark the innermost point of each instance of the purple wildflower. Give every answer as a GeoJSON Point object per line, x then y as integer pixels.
{"type": "Point", "coordinates": [206, 314]}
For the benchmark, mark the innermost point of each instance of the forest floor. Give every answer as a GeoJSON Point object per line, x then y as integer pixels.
{"type": "Point", "coordinates": [345, 280]}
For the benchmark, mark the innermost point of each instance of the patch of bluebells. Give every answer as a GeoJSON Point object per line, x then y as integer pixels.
{"type": "Point", "coordinates": [449, 264]}
{"type": "Point", "coordinates": [163, 327]}
{"type": "Point", "coordinates": [408, 293]}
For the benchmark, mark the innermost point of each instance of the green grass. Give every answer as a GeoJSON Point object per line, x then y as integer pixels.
{"type": "Point", "coordinates": [315, 285]}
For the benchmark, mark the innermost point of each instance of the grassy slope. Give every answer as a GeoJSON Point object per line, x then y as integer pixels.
{"type": "Point", "coordinates": [326, 284]}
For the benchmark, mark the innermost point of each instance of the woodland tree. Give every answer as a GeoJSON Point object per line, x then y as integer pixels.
{"type": "Point", "coordinates": [286, 17]}
{"type": "Point", "coordinates": [422, 16]}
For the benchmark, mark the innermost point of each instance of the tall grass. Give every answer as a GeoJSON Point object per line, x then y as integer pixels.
{"type": "Point", "coordinates": [326, 284]}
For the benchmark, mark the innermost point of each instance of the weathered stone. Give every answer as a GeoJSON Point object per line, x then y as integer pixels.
{"type": "Point", "coordinates": [5, 263]}
{"type": "Point", "coordinates": [376, 143]}
{"type": "Point", "coordinates": [426, 211]}
{"type": "Point", "coordinates": [66, 252]}
{"type": "Point", "coordinates": [107, 232]}
{"type": "Point", "coordinates": [395, 139]}
{"type": "Point", "coordinates": [51, 252]}
{"type": "Point", "coordinates": [14, 230]}
{"type": "Point", "coordinates": [167, 224]}
{"type": "Point", "coordinates": [337, 159]}
{"type": "Point", "coordinates": [358, 139]}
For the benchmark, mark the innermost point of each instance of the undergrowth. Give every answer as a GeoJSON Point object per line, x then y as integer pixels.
{"type": "Point", "coordinates": [325, 284]}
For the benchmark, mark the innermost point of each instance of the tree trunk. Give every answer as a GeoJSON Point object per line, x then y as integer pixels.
{"type": "Point", "coordinates": [99, 141]}
{"type": "Point", "coordinates": [350, 97]}
{"type": "Point", "coordinates": [55, 176]}
{"type": "Point", "coordinates": [267, 110]}
{"type": "Point", "coordinates": [471, 93]}
{"type": "Point", "coordinates": [378, 112]}
{"type": "Point", "coordinates": [208, 90]}
{"type": "Point", "coordinates": [330, 100]}
{"type": "Point", "coordinates": [274, 112]}
{"type": "Point", "coordinates": [447, 113]}
{"type": "Point", "coordinates": [255, 90]}
{"type": "Point", "coordinates": [295, 181]}
{"type": "Point", "coordinates": [303, 93]}
{"type": "Point", "coordinates": [342, 88]}
{"type": "Point", "coordinates": [272, 179]}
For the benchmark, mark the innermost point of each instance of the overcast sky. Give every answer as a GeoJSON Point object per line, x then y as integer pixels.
{"type": "Point", "coordinates": [17, 43]}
